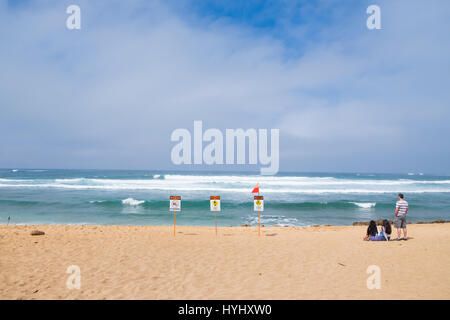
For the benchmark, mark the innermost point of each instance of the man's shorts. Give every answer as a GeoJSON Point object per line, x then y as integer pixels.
{"type": "Point", "coordinates": [400, 222]}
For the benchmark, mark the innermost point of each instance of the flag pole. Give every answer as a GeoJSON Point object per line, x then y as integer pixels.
{"type": "Point", "coordinates": [215, 220]}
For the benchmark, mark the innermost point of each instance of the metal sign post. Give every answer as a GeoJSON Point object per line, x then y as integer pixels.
{"type": "Point", "coordinates": [175, 205]}
{"type": "Point", "coordinates": [258, 205]}
{"type": "Point", "coordinates": [214, 202]}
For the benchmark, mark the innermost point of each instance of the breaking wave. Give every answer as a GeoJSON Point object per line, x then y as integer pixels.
{"type": "Point", "coordinates": [132, 202]}
{"type": "Point", "coordinates": [240, 184]}
{"type": "Point", "coordinates": [365, 205]}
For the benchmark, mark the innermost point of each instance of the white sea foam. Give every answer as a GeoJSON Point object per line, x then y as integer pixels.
{"type": "Point", "coordinates": [241, 184]}
{"type": "Point", "coordinates": [281, 221]}
{"type": "Point", "coordinates": [132, 202]}
{"type": "Point", "coordinates": [365, 205]}
{"type": "Point", "coordinates": [221, 189]}
{"type": "Point", "coordinates": [17, 180]}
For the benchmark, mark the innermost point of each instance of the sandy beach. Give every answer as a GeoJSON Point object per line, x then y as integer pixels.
{"type": "Point", "coordinates": [146, 262]}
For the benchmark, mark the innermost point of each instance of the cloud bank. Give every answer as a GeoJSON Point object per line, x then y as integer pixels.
{"type": "Point", "coordinates": [109, 95]}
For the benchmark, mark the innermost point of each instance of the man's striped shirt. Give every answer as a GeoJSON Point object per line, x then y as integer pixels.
{"type": "Point", "coordinates": [402, 206]}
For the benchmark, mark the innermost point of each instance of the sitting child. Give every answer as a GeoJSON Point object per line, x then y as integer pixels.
{"type": "Point", "coordinates": [371, 230]}
{"type": "Point", "coordinates": [383, 235]}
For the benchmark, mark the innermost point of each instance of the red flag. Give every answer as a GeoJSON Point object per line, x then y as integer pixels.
{"type": "Point", "coordinates": [256, 189]}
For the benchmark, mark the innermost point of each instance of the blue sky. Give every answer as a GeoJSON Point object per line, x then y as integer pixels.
{"type": "Point", "coordinates": [345, 98]}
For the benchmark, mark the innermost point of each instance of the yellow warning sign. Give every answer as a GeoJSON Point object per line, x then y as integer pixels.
{"type": "Point", "coordinates": [258, 203]}
{"type": "Point", "coordinates": [215, 203]}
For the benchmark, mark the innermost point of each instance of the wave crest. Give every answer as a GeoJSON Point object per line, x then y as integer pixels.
{"type": "Point", "coordinates": [365, 205]}
{"type": "Point", "coordinates": [132, 202]}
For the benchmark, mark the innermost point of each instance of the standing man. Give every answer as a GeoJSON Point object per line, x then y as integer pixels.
{"type": "Point", "coordinates": [401, 209]}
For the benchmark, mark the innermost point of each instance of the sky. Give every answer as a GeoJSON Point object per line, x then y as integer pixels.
{"type": "Point", "coordinates": [108, 96]}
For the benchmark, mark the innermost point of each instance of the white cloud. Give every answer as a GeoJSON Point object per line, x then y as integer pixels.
{"type": "Point", "coordinates": [110, 94]}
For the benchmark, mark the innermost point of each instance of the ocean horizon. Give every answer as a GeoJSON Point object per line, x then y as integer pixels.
{"type": "Point", "coordinates": [141, 197]}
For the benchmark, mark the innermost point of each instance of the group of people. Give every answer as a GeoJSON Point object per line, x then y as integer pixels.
{"type": "Point", "coordinates": [384, 234]}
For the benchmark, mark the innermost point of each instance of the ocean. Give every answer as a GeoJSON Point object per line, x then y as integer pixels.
{"type": "Point", "coordinates": [120, 197]}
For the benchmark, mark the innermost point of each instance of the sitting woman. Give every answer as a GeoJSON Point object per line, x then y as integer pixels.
{"type": "Point", "coordinates": [383, 235]}
{"type": "Point", "coordinates": [372, 230]}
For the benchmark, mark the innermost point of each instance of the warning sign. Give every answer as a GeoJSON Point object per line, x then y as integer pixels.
{"type": "Point", "coordinates": [175, 203]}
{"type": "Point", "coordinates": [258, 203]}
{"type": "Point", "coordinates": [214, 203]}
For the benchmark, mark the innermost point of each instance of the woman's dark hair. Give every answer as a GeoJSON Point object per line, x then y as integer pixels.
{"type": "Point", "coordinates": [372, 228]}
{"type": "Point", "coordinates": [387, 226]}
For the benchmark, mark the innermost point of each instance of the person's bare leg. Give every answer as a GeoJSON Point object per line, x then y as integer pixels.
{"type": "Point", "coordinates": [399, 233]}
{"type": "Point", "coordinates": [404, 234]}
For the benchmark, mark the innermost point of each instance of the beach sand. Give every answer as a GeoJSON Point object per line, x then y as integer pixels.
{"type": "Point", "coordinates": [147, 262]}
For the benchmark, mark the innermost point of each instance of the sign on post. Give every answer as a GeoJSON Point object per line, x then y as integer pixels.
{"type": "Point", "coordinates": [214, 203]}
{"type": "Point", "coordinates": [175, 205]}
{"type": "Point", "coordinates": [258, 205]}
